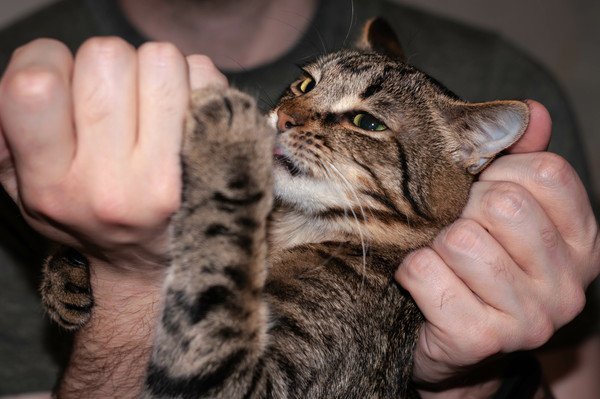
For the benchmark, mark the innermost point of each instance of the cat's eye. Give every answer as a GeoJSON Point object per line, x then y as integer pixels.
{"type": "Point", "coordinates": [368, 122]}
{"type": "Point", "coordinates": [306, 85]}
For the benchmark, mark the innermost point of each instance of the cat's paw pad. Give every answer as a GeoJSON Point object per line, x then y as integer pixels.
{"type": "Point", "coordinates": [66, 289]}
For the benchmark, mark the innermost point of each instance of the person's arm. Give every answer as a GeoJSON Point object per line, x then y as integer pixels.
{"type": "Point", "coordinates": [89, 151]}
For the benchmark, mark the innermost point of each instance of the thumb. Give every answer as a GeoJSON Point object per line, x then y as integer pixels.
{"type": "Point", "coordinates": [537, 135]}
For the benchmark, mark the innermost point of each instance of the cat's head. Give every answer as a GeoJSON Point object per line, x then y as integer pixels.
{"type": "Point", "coordinates": [363, 135]}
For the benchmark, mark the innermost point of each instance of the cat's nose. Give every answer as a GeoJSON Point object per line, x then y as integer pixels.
{"type": "Point", "coordinates": [286, 121]}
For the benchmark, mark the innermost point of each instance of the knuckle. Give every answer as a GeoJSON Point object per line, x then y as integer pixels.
{"type": "Point", "coordinates": [481, 340]}
{"type": "Point", "coordinates": [579, 302]}
{"type": "Point", "coordinates": [539, 330]}
{"type": "Point", "coordinates": [488, 344]}
{"type": "Point", "coordinates": [107, 48]}
{"type": "Point", "coordinates": [41, 43]}
{"type": "Point", "coordinates": [161, 53]}
{"type": "Point", "coordinates": [550, 238]}
{"type": "Point", "coordinates": [573, 306]}
{"type": "Point", "coordinates": [167, 203]}
{"type": "Point", "coordinates": [44, 206]}
{"type": "Point", "coordinates": [463, 236]}
{"type": "Point", "coordinates": [203, 62]}
{"type": "Point", "coordinates": [535, 325]}
{"type": "Point", "coordinates": [506, 202]}
{"type": "Point", "coordinates": [110, 207]}
{"type": "Point", "coordinates": [203, 70]}
{"type": "Point", "coordinates": [31, 86]}
{"type": "Point", "coordinates": [551, 170]}
{"type": "Point", "coordinates": [419, 264]}
{"type": "Point", "coordinates": [593, 231]}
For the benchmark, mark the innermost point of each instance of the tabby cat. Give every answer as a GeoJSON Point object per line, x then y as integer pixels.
{"type": "Point", "coordinates": [290, 293]}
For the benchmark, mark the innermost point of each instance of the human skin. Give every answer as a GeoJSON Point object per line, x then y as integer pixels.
{"type": "Point", "coordinates": [83, 138]}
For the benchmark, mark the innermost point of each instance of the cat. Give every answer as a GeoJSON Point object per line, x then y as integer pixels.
{"type": "Point", "coordinates": [291, 226]}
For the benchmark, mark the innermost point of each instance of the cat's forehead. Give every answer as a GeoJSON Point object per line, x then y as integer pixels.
{"type": "Point", "coordinates": [355, 64]}
{"type": "Point", "coordinates": [349, 79]}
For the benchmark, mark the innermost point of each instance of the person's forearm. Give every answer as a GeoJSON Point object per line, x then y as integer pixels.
{"type": "Point", "coordinates": [111, 352]}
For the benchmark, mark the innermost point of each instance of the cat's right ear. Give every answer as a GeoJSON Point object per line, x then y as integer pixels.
{"type": "Point", "coordinates": [378, 36]}
{"type": "Point", "coordinates": [485, 129]}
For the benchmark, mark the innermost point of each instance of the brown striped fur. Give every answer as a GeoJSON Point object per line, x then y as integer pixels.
{"type": "Point", "coordinates": [298, 300]}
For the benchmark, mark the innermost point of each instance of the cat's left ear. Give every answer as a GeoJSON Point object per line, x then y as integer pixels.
{"type": "Point", "coordinates": [486, 129]}
{"type": "Point", "coordinates": [378, 36]}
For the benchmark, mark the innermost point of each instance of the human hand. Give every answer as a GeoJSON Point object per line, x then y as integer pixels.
{"type": "Point", "coordinates": [512, 269]}
{"type": "Point", "coordinates": [89, 148]}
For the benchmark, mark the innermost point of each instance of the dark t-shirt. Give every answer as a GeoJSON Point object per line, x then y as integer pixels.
{"type": "Point", "coordinates": [476, 65]}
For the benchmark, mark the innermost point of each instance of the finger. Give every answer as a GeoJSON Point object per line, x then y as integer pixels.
{"type": "Point", "coordinates": [554, 184]}
{"type": "Point", "coordinates": [444, 299]}
{"type": "Point", "coordinates": [537, 135]}
{"type": "Point", "coordinates": [520, 225]}
{"type": "Point", "coordinates": [163, 99]}
{"type": "Point", "coordinates": [163, 102]}
{"type": "Point", "coordinates": [105, 98]}
{"type": "Point", "coordinates": [36, 113]}
{"type": "Point", "coordinates": [203, 72]}
{"type": "Point", "coordinates": [482, 264]}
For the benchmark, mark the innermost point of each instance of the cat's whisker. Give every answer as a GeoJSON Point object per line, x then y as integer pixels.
{"type": "Point", "coordinates": [364, 216]}
{"type": "Point", "coordinates": [346, 200]}
{"type": "Point", "coordinates": [351, 189]}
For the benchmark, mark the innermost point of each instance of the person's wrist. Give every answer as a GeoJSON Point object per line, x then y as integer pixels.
{"type": "Point", "coordinates": [113, 348]}
{"type": "Point", "coordinates": [123, 278]}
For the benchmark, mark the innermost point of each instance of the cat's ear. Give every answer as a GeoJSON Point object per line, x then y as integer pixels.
{"type": "Point", "coordinates": [486, 129]}
{"type": "Point", "coordinates": [378, 36]}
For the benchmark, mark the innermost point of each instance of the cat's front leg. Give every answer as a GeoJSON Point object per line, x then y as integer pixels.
{"type": "Point", "coordinates": [212, 328]}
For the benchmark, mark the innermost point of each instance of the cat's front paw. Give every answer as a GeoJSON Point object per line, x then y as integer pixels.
{"type": "Point", "coordinates": [228, 145]}
{"type": "Point", "coordinates": [227, 116]}
{"type": "Point", "coordinates": [66, 289]}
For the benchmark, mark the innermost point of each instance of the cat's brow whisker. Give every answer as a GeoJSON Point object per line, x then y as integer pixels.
{"type": "Point", "coordinates": [313, 44]}
{"type": "Point", "coordinates": [351, 24]}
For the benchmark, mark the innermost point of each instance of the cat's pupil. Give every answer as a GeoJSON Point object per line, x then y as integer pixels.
{"type": "Point", "coordinates": [307, 85]}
